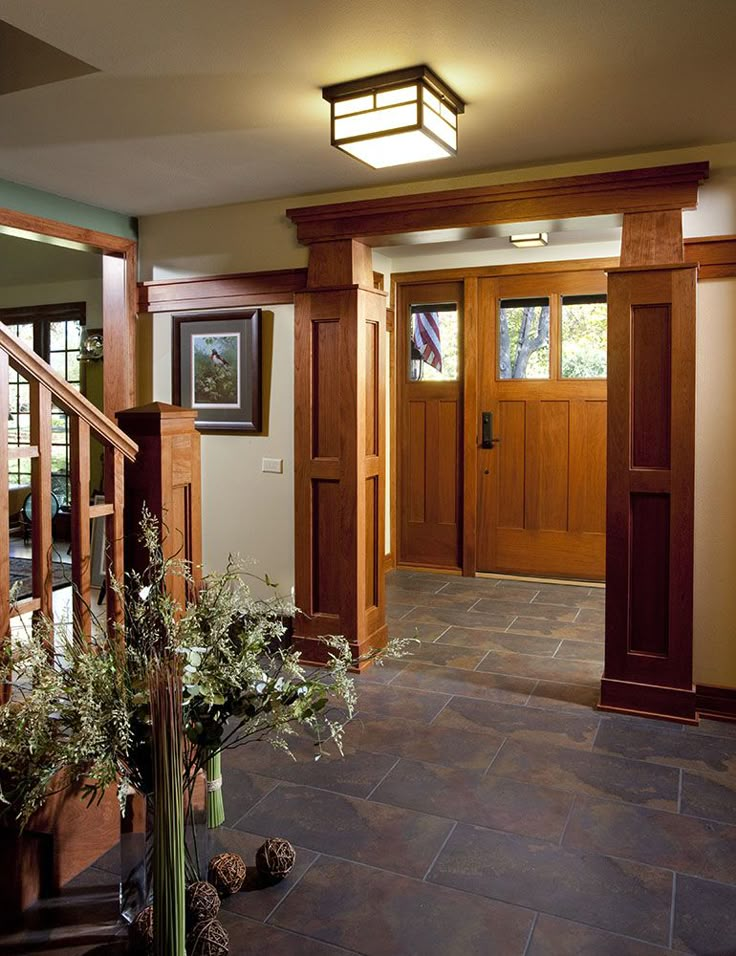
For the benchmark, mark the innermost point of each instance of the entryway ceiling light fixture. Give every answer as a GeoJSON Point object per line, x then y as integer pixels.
{"type": "Point", "coordinates": [405, 116]}
{"type": "Point", "coordinates": [528, 240]}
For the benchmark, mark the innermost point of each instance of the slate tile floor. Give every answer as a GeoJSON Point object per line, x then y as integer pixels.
{"type": "Point", "coordinates": [483, 805]}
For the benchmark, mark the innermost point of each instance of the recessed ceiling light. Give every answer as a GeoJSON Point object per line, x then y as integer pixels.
{"type": "Point", "coordinates": [405, 116]}
{"type": "Point", "coordinates": [527, 240]}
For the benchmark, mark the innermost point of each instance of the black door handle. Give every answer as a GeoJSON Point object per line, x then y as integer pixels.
{"type": "Point", "coordinates": [487, 439]}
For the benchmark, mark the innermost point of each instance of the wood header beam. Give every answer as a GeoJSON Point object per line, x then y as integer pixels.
{"type": "Point", "coordinates": [221, 291]}
{"type": "Point", "coordinates": [628, 191]}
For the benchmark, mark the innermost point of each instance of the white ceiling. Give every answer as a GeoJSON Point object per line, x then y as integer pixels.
{"type": "Point", "coordinates": [200, 104]}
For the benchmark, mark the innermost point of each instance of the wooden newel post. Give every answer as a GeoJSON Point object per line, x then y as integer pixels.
{"type": "Point", "coordinates": [167, 477]}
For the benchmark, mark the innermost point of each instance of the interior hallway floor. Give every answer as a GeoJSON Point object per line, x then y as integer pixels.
{"type": "Point", "coordinates": [483, 805]}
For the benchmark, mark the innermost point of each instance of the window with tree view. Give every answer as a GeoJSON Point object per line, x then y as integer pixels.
{"type": "Point", "coordinates": [523, 338]}
{"type": "Point", "coordinates": [434, 343]}
{"type": "Point", "coordinates": [584, 331]}
{"type": "Point", "coordinates": [57, 342]}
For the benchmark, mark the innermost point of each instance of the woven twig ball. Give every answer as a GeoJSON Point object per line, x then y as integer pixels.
{"type": "Point", "coordinates": [275, 859]}
{"type": "Point", "coordinates": [227, 873]}
{"type": "Point", "coordinates": [141, 933]}
{"type": "Point", "coordinates": [208, 938]}
{"type": "Point", "coordinates": [203, 902]}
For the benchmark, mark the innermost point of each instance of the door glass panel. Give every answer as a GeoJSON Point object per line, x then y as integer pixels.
{"type": "Point", "coordinates": [523, 338]}
{"type": "Point", "coordinates": [584, 328]}
{"type": "Point", "coordinates": [434, 343]}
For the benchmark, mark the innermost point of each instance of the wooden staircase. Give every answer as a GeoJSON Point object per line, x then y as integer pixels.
{"type": "Point", "coordinates": [64, 837]}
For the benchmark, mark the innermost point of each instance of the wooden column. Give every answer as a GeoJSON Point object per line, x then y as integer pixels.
{"type": "Point", "coordinates": [340, 367]}
{"type": "Point", "coordinates": [166, 476]}
{"type": "Point", "coordinates": [650, 491]}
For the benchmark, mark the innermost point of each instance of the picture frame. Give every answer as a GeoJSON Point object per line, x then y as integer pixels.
{"type": "Point", "coordinates": [216, 368]}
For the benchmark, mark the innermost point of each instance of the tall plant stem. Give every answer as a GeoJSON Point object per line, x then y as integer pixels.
{"type": "Point", "coordinates": [215, 805]}
{"type": "Point", "coordinates": [169, 915]}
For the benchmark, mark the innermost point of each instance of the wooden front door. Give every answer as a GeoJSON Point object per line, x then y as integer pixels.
{"type": "Point", "coordinates": [429, 419]}
{"type": "Point", "coordinates": [542, 479]}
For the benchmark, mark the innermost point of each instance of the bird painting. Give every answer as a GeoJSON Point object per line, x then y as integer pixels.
{"type": "Point", "coordinates": [218, 360]}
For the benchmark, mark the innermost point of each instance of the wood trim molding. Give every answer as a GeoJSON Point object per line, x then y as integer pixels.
{"type": "Point", "coordinates": [276, 287]}
{"type": "Point", "coordinates": [77, 235]}
{"type": "Point", "coordinates": [717, 702]}
{"type": "Point", "coordinates": [627, 191]}
{"type": "Point", "coordinates": [716, 256]}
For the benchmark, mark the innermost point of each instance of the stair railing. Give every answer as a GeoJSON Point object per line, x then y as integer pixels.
{"type": "Point", "coordinates": [47, 388]}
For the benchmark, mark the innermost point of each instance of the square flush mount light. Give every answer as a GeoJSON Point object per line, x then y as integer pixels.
{"type": "Point", "coordinates": [406, 116]}
{"type": "Point", "coordinates": [527, 240]}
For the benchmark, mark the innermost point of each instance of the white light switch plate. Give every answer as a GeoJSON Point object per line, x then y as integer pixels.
{"type": "Point", "coordinates": [274, 465]}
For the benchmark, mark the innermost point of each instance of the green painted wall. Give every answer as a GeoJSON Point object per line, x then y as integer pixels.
{"type": "Point", "coordinates": [35, 202]}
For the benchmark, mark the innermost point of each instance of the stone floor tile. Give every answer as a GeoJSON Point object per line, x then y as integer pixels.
{"type": "Point", "coordinates": [497, 640]}
{"type": "Point", "coordinates": [495, 802]}
{"type": "Point", "coordinates": [570, 594]}
{"type": "Point", "coordinates": [418, 583]}
{"type": "Point", "coordinates": [705, 917]}
{"type": "Point", "coordinates": [563, 630]}
{"type": "Point", "coordinates": [571, 698]}
{"type": "Point", "coordinates": [448, 680]}
{"type": "Point", "coordinates": [611, 894]}
{"type": "Point", "coordinates": [592, 616]}
{"type": "Point", "coordinates": [523, 724]}
{"type": "Point", "coordinates": [448, 655]}
{"type": "Point", "coordinates": [400, 702]}
{"type": "Point", "coordinates": [712, 796]}
{"type": "Point", "coordinates": [417, 741]}
{"type": "Point", "coordinates": [594, 774]}
{"type": "Point", "coordinates": [363, 831]}
{"type": "Point", "coordinates": [587, 673]}
{"type": "Point", "coordinates": [560, 937]}
{"type": "Point", "coordinates": [405, 596]}
{"type": "Point", "coordinates": [357, 772]}
{"type": "Point", "coordinates": [690, 751]}
{"type": "Point", "coordinates": [422, 632]}
{"type": "Point", "coordinates": [669, 840]}
{"type": "Point", "coordinates": [581, 651]}
{"type": "Point", "coordinates": [535, 609]}
{"type": "Point", "coordinates": [713, 728]}
{"type": "Point", "coordinates": [242, 788]}
{"type": "Point", "coordinates": [249, 938]}
{"type": "Point", "coordinates": [453, 615]}
{"type": "Point", "coordinates": [483, 588]}
{"type": "Point", "coordinates": [257, 899]}
{"type": "Point", "coordinates": [397, 612]}
{"type": "Point", "coordinates": [376, 913]}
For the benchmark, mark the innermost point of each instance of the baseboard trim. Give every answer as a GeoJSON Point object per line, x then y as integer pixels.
{"type": "Point", "coordinates": [648, 700]}
{"type": "Point", "coordinates": [716, 702]}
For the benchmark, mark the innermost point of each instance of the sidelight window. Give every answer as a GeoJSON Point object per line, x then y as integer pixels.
{"type": "Point", "coordinates": [434, 343]}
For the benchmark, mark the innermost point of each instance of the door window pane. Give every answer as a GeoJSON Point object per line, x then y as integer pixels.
{"type": "Point", "coordinates": [434, 343]}
{"type": "Point", "coordinates": [584, 329]}
{"type": "Point", "coordinates": [523, 338]}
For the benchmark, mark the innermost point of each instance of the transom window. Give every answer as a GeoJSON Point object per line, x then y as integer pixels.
{"type": "Point", "coordinates": [54, 332]}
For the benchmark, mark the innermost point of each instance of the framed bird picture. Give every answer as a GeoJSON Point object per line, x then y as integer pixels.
{"type": "Point", "coordinates": [216, 368]}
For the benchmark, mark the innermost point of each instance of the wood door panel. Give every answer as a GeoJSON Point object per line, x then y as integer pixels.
{"type": "Point", "coordinates": [429, 459]}
{"type": "Point", "coordinates": [542, 489]}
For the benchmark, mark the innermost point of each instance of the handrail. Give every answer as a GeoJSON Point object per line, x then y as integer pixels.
{"type": "Point", "coordinates": [27, 363]}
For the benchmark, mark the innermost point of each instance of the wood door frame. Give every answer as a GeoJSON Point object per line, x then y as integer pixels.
{"type": "Point", "coordinates": [119, 294]}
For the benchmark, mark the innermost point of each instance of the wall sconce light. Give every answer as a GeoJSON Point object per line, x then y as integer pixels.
{"type": "Point", "coordinates": [528, 240]}
{"type": "Point", "coordinates": [405, 116]}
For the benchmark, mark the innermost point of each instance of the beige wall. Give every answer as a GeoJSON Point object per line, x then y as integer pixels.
{"type": "Point", "coordinates": [245, 510]}
{"type": "Point", "coordinates": [715, 493]}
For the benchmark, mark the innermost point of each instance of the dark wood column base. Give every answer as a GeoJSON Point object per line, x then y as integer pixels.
{"type": "Point", "coordinates": [648, 700]}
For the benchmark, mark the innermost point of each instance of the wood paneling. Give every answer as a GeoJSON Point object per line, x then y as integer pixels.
{"type": "Point", "coordinates": [649, 238]}
{"type": "Point", "coordinates": [716, 256]}
{"type": "Point", "coordinates": [430, 433]}
{"type": "Point", "coordinates": [651, 392]}
{"type": "Point", "coordinates": [636, 190]}
{"type": "Point", "coordinates": [587, 499]}
{"type": "Point", "coordinates": [649, 583]}
{"type": "Point", "coordinates": [340, 428]}
{"type": "Point", "coordinates": [4, 515]}
{"type": "Point", "coordinates": [649, 594]}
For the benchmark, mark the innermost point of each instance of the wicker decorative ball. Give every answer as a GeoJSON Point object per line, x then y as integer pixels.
{"type": "Point", "coordinates": [141, 933]}
{"type": "Point", "coordinates": [208, 938]}
{"type": "Point", "coordinates": [203, 902]}
{"type": "Point", "coordinates": [275, 859]}
{"type": "Point", "coordinates": [227, 873]}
